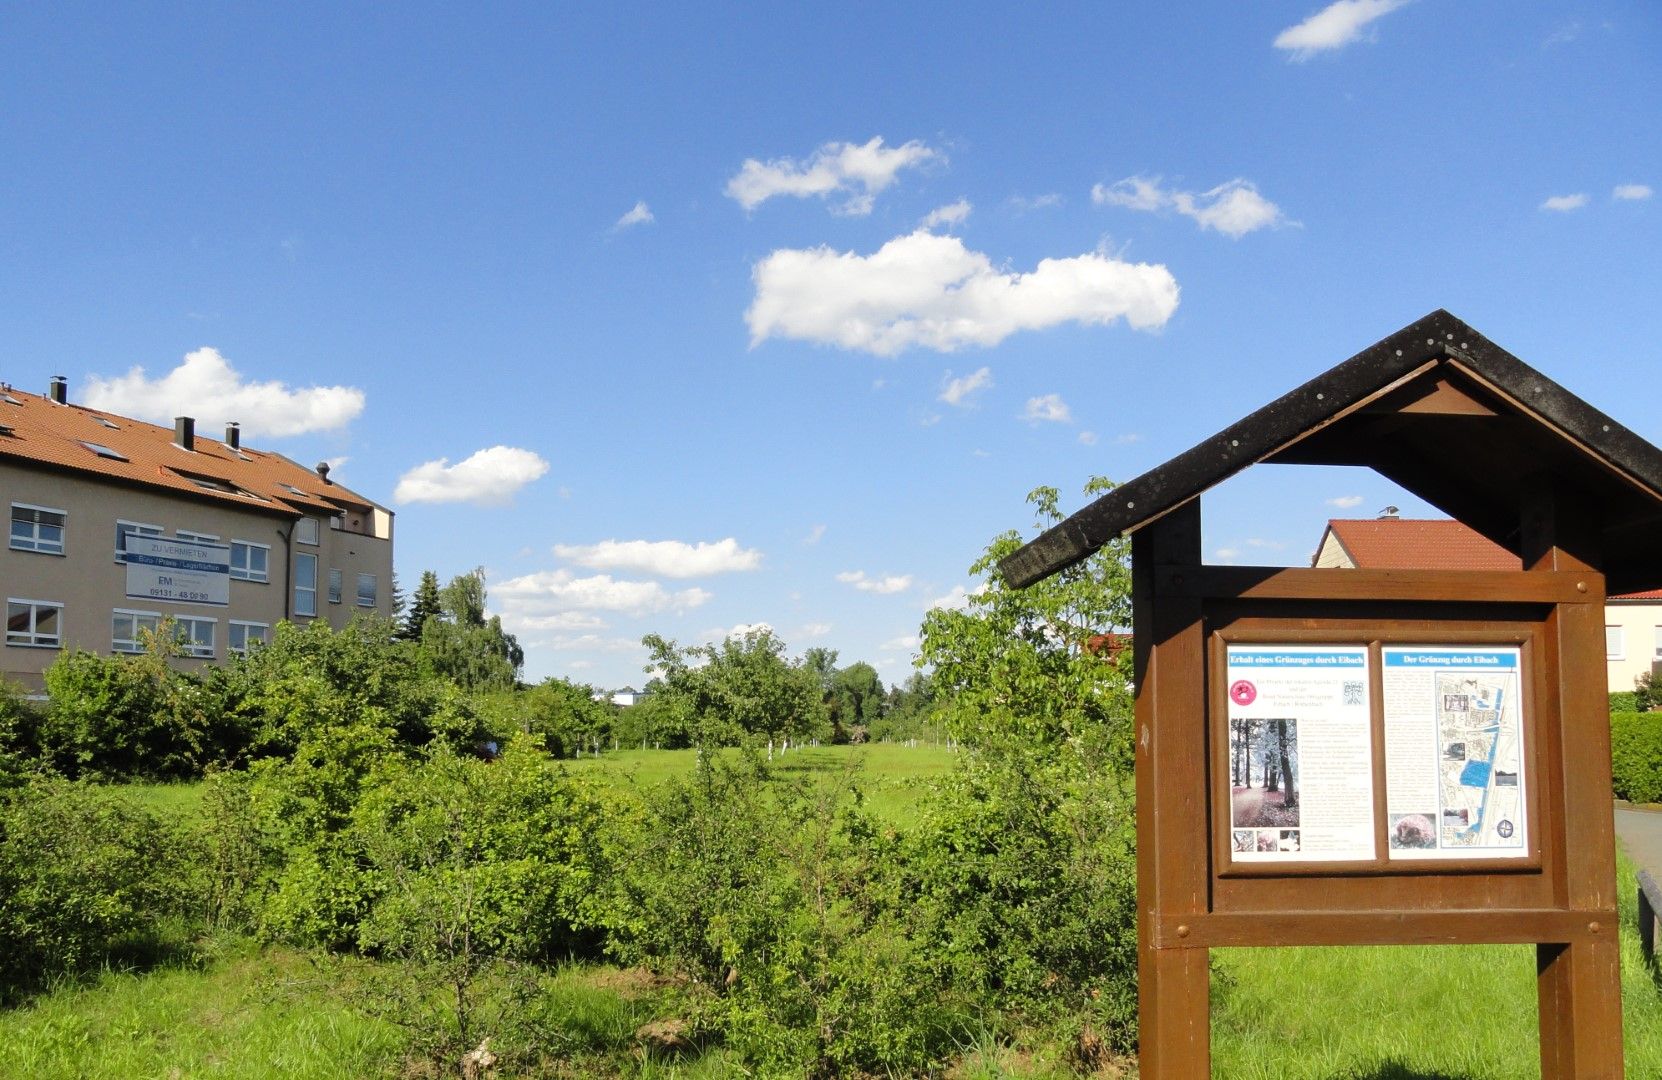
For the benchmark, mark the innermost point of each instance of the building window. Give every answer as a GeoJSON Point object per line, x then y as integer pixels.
{"type": "Point", "coordinates": [1614, 646]}
{"type": "Point", "coordinates": [249, 560]}
{"type": "Point", "coordinates": [1656, 648]}
{"type": "Point", "coordinates": [124, 529]}
{"type": "Point", "coordinates": [244, 634]}
{"type": "Point", "coordinates": [36, 528]}
{"type": "Point", "coordinates": [196, 635]}
{"type": "Point", "coordinates": [34, 623]}
{"type": "Point", "coordinates": [366, 590]}
{"type": "Point", "coordinates": [305, 584]}
{"type": "Point", "coordinates": [334, 585]}
{"type": "Point", "coordinates": [305, 531]}
{"type": "Point", "coordinates": [127, 629]}
{"type": "Point", "coordinates": [195, 537]}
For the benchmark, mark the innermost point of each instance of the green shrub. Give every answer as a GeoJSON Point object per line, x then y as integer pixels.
{"type": "Point", "coordinates": [86, 877]}
{"type": "Point", "coordinates": [113, 717]}
{"type": "Point", "coordinates": [1624, 701]}
{"type": "Point", "coordinates": [778, 904]}
{"type": "Point", "coordinates": [18, 724]}
{"type": "Point", "coordinates": [1636, 756]}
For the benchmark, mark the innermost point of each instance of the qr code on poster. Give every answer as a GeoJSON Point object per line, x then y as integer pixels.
{"type": "Point", "coordinates": [1353, 692]}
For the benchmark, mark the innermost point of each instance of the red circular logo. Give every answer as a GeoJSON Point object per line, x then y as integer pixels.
{"type": "Point", "coordinates": [1243, 693]}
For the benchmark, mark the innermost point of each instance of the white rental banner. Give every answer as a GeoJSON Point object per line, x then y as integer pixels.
{"type": "Point", "coordinates": [1300, 754]}
{"type": "Point", "coordinates": [1454, 760]}
{"type": "Point", "coordinates": [178, 571]}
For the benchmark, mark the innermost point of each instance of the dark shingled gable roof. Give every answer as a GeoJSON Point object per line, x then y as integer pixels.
{"type": "Point", "coordinates": [1439, 409]}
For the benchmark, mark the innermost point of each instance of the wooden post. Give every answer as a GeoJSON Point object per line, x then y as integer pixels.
{"type": "Point", "coordinates": [1173, 985]}
{"type": "Point", "coordinates": [1578, 984]}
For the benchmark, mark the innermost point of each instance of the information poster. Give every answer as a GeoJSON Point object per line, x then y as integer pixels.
{"type": "Point", "coordinates": [1454, 761]}
{"type": "Point", "coordinates": [178, 571]}
{"type": "Point", "coordinates": [1300, 754]}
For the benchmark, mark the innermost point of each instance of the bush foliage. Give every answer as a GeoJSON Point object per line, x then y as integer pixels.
{"type": "Point", "coordinates": [1636, 756]}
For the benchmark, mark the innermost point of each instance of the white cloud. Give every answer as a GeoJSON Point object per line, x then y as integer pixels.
{"type": "Point", "coordinates": [639, 214]}
{"type": "Point", "coordinates": [957, 391]}
{"type": "Point", "coordinates": [1632, 192]}
{"type": "Point", "coordinates": [1346, 502]}
{"type": "Point", "coordinates": [1049, 408]}
{"type": "Point", "coordinates": [1226, 553]}
{"type": "Point", "coordinates": [859, 171]}
{"type": "Point", "coordinates": [548, 591]}
{"type": "Point", "coordinates": [904, 643]}
{"type": "Point", "coordinates": [814, 630]}
{"type": "Point", "coordinates": [883, 586]}
{"type": "Point", "coordinates": [1087, 438]}
{"type": "Point", "coordinates": [1565, 203]}
{"type": "Point", "coordinates": [1234, 208]}
{"type": "Point", "coordinates": [949, 215]}
{"type": "Point", "coordinates": [956, 599]}
{"type": "Point", "coordinates": [739, 630]}
{"type": "Point", "coordinates": [814, 535]}
{"type": "Point", "coordinates": [1038, 202]}
{"type": "Point", "coordinates": [490, 477]}
{"type": "Point", "coordinates": [929, 291]}
{"type": "Point", "coordinates": [580, 665]}
{"type": "Point", "coordinates": [665, 558]}
{"type": "Point", "coordinates": [206, 386]}
{"type": "Point", "coordinates": [1333, 27]}
{"type": "Point", "coordinates": [560, 620]}
{"type": "Point", "coordinates": [587, 643]}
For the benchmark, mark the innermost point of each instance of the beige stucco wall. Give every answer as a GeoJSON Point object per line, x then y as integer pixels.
{"type": "Point", "coordinates": [90, 584]}
{"type": "Point", "coordinates": [1638, 622]}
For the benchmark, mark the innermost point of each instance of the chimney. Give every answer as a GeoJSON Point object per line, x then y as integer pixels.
{"type": "Point", "coordinates": [184, 432]}
{"type": "Point", "coordinates": [59, 390]}
{"type": "Point", "coordinates": [323, 471]}
{"type": "Point", "coordinates": [1389, 514]}
{"type": "Point", "coordinates": [233, 435]}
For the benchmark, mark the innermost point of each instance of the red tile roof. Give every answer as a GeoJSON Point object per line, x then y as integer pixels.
{"type": "Point", "coordinates": [39, 431]}
{"type": "Point", "coordinates": [1430, 544]}
{"type": "Point", "coordinates": [1410, 544]}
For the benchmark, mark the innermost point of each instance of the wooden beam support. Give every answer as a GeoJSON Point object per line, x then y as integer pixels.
{"type": "Point", "coordinates": [1173, 985]}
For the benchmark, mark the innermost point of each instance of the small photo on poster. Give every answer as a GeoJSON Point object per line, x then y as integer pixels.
{"type": "Point", "coordinates": [1264, 777]}
{"type": "Point", "coordinates": [1411, 831]}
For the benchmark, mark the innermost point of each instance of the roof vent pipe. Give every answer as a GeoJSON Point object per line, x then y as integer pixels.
{"type": "Point", "coordinates": [59, 390]}
{"type": "Point", "coordinates": [184, 432]}
{"type": "Point", "coordinates": [233, 435]}
{"type": "Point", "coordinates": [323, 472]}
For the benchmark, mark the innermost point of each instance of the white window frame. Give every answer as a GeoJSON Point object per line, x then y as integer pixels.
{"type": "Point", "coordinates": [133, 644]}
{"type": "Point", "coordinates": [244, 626]}
{"type": "Point", "coordinates": [188, 645]}
{"type": "Point", "coordinates": [30, 639]}
{"type": "Point", "coordinates": [310, 593]}
{"type": "Point", "coordinates": [246, 572]}
{"type": "Point", "coordinates": [191, 537]}
{"type": "Point", "coordinates": [305, 531]}
{"type": "Point", "coordinates": [1615, 643]}
{"type": "Point", "coordinates": [34, 542]}
{"type": "Point", "coordinates": [133, 528]}
{"type": "Point", "coordinates": [374, 590]}
{"type": "Point", "coordinates": [337, 584]}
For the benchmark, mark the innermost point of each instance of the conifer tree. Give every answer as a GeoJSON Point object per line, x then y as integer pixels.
{"type": "Point", "coordinates": [424, 606]}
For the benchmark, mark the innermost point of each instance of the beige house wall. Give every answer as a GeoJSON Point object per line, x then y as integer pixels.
{"type": "Point", "coordinates": [91, 585]}
{"type": "Point", "coordinates": [1630, 631]}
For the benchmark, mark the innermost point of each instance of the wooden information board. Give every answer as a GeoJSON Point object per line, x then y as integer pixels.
{"type": "Point", "coordinates": [1348, 756]}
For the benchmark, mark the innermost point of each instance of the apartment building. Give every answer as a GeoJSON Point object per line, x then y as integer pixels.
{"type": "Point", "coordinates": [117, 524]}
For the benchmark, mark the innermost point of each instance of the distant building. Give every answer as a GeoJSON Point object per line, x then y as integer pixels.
{"type": "Point", "coordinates": [117, 524]}
{"type": "Point", "coordinates": [1632, 622]}
{"type": "Point", "coordinates": [626, 697]}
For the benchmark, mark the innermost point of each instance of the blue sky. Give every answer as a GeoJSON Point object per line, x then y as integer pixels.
{"type": "Point", "coordinates": [680, 320]}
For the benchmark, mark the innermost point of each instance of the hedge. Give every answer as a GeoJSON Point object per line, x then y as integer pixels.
{"type": "Point", "coordinates": [1636, 756]}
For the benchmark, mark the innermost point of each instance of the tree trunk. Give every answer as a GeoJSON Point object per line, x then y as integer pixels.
{"type": "Point", "coordinates": [1291, 798]}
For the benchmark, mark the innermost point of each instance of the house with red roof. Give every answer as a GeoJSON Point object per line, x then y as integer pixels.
{"type": "Point", "coordinates": [1632, 621]}
{"type": "Point", "coordinates": [117, 525]}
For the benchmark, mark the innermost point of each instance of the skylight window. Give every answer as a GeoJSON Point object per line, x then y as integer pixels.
{"type": "Point", "coordinates": [106, 423]}
{"type": "Point", "coordinates": [103, 451]}
{"type": "Point", "coordinates": [291, 487]}
{"type": "Point", "coordinates": [9, 400]}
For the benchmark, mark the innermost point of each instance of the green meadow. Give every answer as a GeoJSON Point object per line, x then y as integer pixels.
{"type": "Point", "coordinates": [231, 1008]}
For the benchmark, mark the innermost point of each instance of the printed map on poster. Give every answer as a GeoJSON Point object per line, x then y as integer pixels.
{"type": "Point", "coordinates": [1454, 753]}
